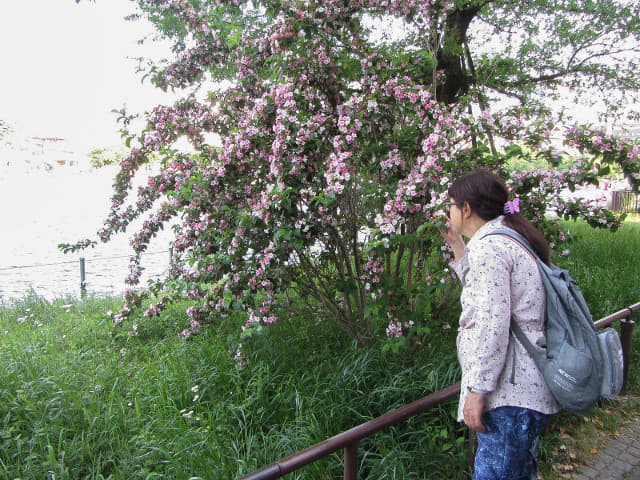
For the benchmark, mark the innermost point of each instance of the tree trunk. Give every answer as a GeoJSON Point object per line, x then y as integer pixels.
{"type": "Point", "coordinates": [450, 56]}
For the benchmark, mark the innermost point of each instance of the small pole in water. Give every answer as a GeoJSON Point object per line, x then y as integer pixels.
{"type": "Point", "coordinates": [83, 282]}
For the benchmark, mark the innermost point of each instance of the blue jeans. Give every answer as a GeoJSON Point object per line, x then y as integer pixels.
{"type": "Point", "coordinates": [507, 448]}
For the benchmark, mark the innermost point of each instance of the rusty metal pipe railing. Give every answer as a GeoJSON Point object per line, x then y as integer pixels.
{"type": "Point", "coordinates": [625, 313]}
{"type": "Point", "coordinates": [349, 440]}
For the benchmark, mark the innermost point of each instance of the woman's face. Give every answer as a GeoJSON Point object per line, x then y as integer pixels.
{"type": "Point", "coordinates": [455, 215]}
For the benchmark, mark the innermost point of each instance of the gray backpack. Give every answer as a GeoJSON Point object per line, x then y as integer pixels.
{"type": "Point", "coordinates": [580, 365]}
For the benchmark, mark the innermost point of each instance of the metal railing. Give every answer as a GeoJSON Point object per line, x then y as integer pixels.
{"type": "Point", "coordinates": [348, 440]}
{"type": "Point", "coordinates": [8, 271]}
{"type": "Point", "coordinates": [625, 201]}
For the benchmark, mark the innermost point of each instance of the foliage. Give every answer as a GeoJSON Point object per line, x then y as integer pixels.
{"type": "Point", "coordinates": [101, 157]}
{"type": "Point", "coordinates": [84, 400]}
{"type": "Point", "coordinates": [338, 143]}
{"type": "Point", "coordinates": [579, 46]}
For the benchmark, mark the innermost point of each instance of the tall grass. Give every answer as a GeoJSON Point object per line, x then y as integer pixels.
{"type": "Point", "coordinates": [82, 400]}
{"type": "Point", "coordinates": [606, 265]}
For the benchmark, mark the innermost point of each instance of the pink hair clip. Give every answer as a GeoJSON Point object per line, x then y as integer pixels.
{"type": "Point", "coordinates": [512, 206]}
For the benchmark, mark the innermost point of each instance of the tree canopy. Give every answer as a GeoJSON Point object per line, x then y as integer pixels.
{"type": "Point", "coordinates": [324, 135]}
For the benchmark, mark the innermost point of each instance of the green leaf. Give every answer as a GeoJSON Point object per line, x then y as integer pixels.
{"type": "Point", "coordinates": [513, 151]}
{"type": "Point", "coordinates": [228, 298]}
{"type": "Point", "coordinates": [371, 310]}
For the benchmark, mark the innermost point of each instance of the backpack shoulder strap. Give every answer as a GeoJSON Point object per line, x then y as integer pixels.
{"type": "Point", "coordinates": [526, 343]}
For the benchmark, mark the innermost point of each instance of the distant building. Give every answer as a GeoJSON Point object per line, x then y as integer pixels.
{"type": "Point", "coordinates": [28, 153]}
{"type": "Point", "coordinates": [55, 150]}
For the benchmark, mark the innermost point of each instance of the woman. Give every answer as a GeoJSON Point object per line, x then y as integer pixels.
{"type": "Point", "coordinates": [504, 396]}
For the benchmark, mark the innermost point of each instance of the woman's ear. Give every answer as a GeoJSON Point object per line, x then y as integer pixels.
{"type": "Point", "coordinates": [466, 210]}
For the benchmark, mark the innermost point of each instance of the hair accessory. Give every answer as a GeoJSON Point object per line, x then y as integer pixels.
{"type": "Point", "coordinates": [512, 206]}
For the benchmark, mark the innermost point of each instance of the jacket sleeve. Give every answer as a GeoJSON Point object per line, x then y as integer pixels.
{"type": "Point", "coordinates": [461, 267]}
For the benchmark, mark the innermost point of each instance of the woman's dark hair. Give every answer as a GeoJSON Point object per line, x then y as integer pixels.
{"type": "Point", "coordinates": [486, 194]}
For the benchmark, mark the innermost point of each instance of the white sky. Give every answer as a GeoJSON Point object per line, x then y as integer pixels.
{"type": "Point", "coordinates": [64, 66]}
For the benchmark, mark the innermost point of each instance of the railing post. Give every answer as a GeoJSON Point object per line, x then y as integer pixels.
{"type": "Point", "coordinates": [351, 461]}
{"type": "Point", "coordinates": [626, 337]}
{"type": "Point", "coordinates": [473, 447]}
{"type": "Point", "coordinates": [83, 281]}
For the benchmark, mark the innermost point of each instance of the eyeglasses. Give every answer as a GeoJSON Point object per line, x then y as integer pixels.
{"type": "Point", "coordinates": [451, 204]}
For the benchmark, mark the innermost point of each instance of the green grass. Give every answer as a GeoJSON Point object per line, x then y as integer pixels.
{"type": "Point", "coordinates": [83, 400]}
{"type": "Point", "coordinates": [606, 265]}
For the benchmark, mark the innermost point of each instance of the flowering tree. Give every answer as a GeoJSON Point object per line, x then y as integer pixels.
{"type": "Point", "coordinates": [341, 126]}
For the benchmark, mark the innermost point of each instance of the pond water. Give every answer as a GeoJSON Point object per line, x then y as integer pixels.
{"type": "Point", "coordinates": [43, 207]}
{"type": "Point", "coordinates": [45, 204]}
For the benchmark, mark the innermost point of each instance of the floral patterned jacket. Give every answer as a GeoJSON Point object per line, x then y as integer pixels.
{"type": "Point", "coordinates": [500, 280]}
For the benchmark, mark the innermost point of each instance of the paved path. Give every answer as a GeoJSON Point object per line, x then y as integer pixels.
{"type": "Point", "coordinates": [619, 459]}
